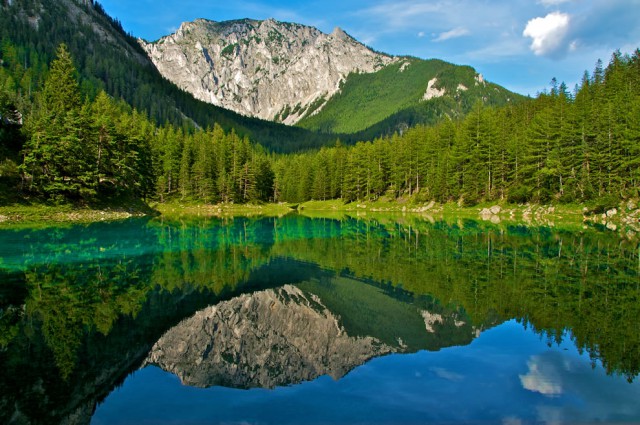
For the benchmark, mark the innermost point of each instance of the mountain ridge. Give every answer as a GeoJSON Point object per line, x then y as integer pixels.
{"type": "Point", "coordinates": [268, 69]}
{"type": "Point", "coordinates": [110, 59]}
{"type": "Point", "coordinates": [292, 73]}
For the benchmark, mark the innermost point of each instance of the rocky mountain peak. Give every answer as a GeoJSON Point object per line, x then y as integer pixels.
{"type": "Point", "coordinates": [341, 35]}
{"type": "Point", "coordinates": [268, 69]}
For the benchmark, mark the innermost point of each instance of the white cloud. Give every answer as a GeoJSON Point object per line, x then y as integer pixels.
{"type": "Point", "coordinates": [421, 34]}
{"type": "Point", "coordinates": [543, 377]}
{"type": "Point", "coordinates": [557, 373]}
{"type": "Point", "coordinates": [548, 33]}
{"type": "Point", "coordinates": [454, 33]}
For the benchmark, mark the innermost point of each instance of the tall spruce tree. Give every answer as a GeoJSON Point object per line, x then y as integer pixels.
{"type": "Point", "coordinates": [56, 162]}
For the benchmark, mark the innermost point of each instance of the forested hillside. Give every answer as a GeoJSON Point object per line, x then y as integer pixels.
{"type": "Point", "coordinates": [409, 92]}
{"type": "Point", "coordinates": [109, 59]}
{"type": "Point", "coordinates": [85, 150]}
{"type": "Point", "coordinates": [563, 146]}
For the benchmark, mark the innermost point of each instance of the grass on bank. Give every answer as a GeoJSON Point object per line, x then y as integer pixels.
{"type": "Point", "coordinates": [412, 206]}
{"type": "Point", "coordinates": [185, 208]}
{"type": "Point", "coordinates": [39, 211]}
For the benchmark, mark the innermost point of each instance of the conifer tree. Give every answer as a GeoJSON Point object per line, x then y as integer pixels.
{"type": "Point", "coordinates": [56, 161]}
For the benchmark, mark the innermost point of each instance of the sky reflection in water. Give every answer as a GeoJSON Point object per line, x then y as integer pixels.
{"type": "Point", "coordinates": [507, 375]}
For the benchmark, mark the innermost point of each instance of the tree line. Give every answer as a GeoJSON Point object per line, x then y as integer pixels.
{"type": "Point", "coordinates": [560, 147]}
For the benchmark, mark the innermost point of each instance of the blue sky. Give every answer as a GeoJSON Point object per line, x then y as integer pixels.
{"type": "Point", "coordinates": [520, 44]}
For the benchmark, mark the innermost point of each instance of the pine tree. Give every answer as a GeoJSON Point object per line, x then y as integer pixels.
{"type": "Point", "coordinates": [61, 89]}
{"type": "Point", "coordinates": [264, 179]}
{"type": "Point", "coordinates": [321, 175]}
{"type": "Point", "coordinates": [203, 170]}
{"type": "Point", "coordinates": [56, 160]}
{"type": "Point", "coordinates": [186, 164]}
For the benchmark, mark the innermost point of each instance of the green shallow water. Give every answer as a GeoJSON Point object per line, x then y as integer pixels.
{"type": "Point", "coordinates": [300, 320]}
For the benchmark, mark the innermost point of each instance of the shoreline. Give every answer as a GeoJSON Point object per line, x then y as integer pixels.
{"type": "Point", "coordinates": [42, 214]}
{"type": "Point", "coordinates": [624, 218]}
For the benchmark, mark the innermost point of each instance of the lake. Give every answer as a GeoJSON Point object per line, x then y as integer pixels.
{"type": "Point", "coordinates": [389, 320]}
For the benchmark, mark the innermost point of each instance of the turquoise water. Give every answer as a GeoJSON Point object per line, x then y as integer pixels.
{"type": "Point", "coordinates": [299, 320]}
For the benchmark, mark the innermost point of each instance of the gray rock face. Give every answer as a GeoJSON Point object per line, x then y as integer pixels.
{"type": "Point", "coordinates": [265, 339]}
{"type": "Point", "coordinates": [267, 69]}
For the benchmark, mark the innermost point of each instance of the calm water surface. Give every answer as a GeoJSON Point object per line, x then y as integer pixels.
{"type": "Point", "coordinates": [322, 321]}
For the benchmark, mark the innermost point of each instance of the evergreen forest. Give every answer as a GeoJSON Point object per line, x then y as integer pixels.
{"type": "Point", "coordinates": [564, 146]}
{"type": "Point", "coordinates": [59, 144]}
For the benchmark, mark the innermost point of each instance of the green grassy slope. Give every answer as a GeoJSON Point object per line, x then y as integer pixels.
{"type": "Point", "coordinates": [376, 103]}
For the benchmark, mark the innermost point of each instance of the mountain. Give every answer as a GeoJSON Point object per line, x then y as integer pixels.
{"type": "Point", "coordinates": [109, 59]}
{"type": "Point", "coordinates": [331, 83]}
{"type": "Point", "coordinates": [268, 69]}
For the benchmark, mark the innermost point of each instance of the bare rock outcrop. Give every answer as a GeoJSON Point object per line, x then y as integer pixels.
{"type": "Point", "coordinates": [267, 69]}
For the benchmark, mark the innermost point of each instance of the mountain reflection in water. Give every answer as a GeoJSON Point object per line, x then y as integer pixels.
{"type": "Point", "coordinates": [284, 336]}
{"type": "Point", "coordinates": [275, 303]}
